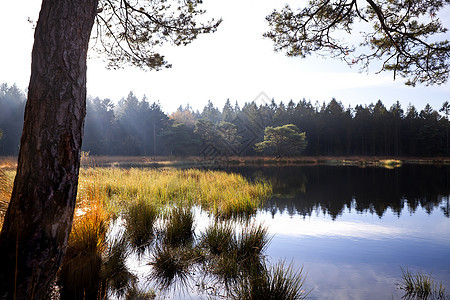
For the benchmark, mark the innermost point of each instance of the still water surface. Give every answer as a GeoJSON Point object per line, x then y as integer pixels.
{"type": "Point", "coordinates": [353, 229]}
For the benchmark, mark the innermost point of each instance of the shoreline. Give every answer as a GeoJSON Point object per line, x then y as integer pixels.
{"type": "Point", "coordinates": [10, 162]}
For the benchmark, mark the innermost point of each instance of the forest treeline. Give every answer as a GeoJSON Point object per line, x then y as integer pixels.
{"type": "Point", "coordinates": [138, 127]}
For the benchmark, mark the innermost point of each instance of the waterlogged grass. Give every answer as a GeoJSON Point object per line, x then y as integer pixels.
{"type": "Point", "coordinates": [421, 286]}
{"type": "Point", "coordinates": [152, 209]}
{"type": "Point", "coordinates": [95, 261]}
{"type": "Point", "coordinates": [223, 194]}
{"type": "Point", "coordinates": [80, 273]}
{"type": "Point", "coordinates": [140, 217]}
{"type": "Point", "coordinates": [179, 227]}
{"type": "Point", "coordinates": [276, 283]}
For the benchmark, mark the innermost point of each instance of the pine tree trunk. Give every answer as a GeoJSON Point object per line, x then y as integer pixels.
{"type": "Point", "coordinates": [39, 218]}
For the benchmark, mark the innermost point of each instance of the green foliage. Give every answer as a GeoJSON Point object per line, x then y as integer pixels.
{"type": "Point", "coordinates": [136, 127]}
{"type": "Point", "coordinates": [283, 141]}
{"type": "Point", "coordinates": [12, 106]}
{"type": "Point", "coordinates": [132, 31]}
{"type": "Point", "coordinates": [402, 35]}
{"type": "Point", "coordinates": [181, 140]}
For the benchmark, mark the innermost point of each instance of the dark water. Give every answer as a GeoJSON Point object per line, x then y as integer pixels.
{"type": "Point", "coordinates": [353, 229]}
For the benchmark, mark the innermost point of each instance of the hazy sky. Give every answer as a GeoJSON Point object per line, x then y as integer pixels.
{"type": "Point", "coordinates": [236, 62]}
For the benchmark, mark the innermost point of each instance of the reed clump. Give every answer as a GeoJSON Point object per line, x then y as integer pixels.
{"type": "Point", "coordinates": [421, 286]}
{"type": "Point", "coordinates": [179, 227]}
{"type": "Point", "coordinates": [140, 218]}
{"type": "Point", "coordinates": [94, 263]}
{"type": "Point", "coordinates": [279, 282]}
{"type": "Point", "coordinates": [169, 265]}
{"type": "Point", "coordinates": [80, 271]}
{"type": "Point", "coordinates": [232, 254]}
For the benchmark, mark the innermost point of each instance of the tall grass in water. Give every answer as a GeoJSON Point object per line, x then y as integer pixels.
{"type": "Point", "coordinates": [179, 227]}
{"type": "Point", "coordinates": [80, 272]}
{"type": "Point", "coordinates": [175, 253]}
{"type": "Point", "coordinates": [170, 265]}
{"type": "Point", "coordinates": [277, 283]}
{"type": "Point", "coordinates": [421, 286]}
{"type": "Point", "coordinates": [140, 218]}
{"type": "Point", "coordinates": [231, 255]}
{"type": "Point", "coordinates": [219, 238]}
{"type": "Point", "coordinates": [93, 265]}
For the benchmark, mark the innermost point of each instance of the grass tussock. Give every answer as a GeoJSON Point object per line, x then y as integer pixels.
{"type": "Point", "coordinates": [231, 253]}
{"type": "Point", "coordinates": [219, 238]}
{"type": "Point", "coordinates": [170, 265]}
{"type": "Point", "coordinates": [140, 218]}
{"type": "Point", "coordinates": [93, 264]}
{"type": "Point", "coordinates": [421, 286]}
{"type": "Point", "coordinates": [277, 283]}
{"type": "Point", "coordinates": [179, 227]}
{"type": "Point", "coordinates": [82, 264]}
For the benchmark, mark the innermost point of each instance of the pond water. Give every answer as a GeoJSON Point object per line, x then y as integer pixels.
{"type": "Point", "coordinates": [353, 229]}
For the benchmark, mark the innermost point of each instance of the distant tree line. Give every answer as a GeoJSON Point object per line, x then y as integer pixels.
{"type": "Point", "coordinates": [138, 127]}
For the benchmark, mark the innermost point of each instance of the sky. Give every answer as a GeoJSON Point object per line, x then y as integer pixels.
{"type": "Point", "coordinates": [234, 63]}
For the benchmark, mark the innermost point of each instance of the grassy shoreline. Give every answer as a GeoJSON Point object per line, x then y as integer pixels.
{"type": "Point", "coordinates": [205, 162]}
{"type": "Point", "coordinates": [10, 162]}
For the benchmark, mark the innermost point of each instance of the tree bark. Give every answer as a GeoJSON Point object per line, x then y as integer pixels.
{"type": "Point", "coordinates": [39, 218]}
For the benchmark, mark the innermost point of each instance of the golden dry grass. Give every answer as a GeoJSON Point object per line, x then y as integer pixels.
{"type": "Point", "coordinates": [221, 193]}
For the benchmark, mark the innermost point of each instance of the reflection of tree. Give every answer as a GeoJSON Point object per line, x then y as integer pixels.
{"type": "Point", "coordinates": [446, 206]}
{"type": "Point", "coordinates": [332, 190]}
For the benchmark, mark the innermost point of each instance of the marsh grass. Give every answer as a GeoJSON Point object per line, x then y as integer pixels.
{"type": "Point", "coordinates": [219, 238]}
{"type": "Point", "coordinates": [170, 265]}
{"type": "Point", "coordinates": [279, 282]}
{"type": "Point", "coordinates": [179, 227]}
{"type": "Point", "coordinates": [115, 273]}
{"type": "Point", "coordinates": [140, 217]}
{"type": "Point", "coordinates": [82, 264]}
{"type": "Point", "coordinates": [421, 286]}
{"type": "Point", "coordinates": [220, 193]}
{"type": "Point", "coordinates": [252, 241]}
{"type": "Point", "coordinates": [94, 264]}
{"type": "Point", "coordinates": [5, 194]}
{"type": "Point", "coordinates": [232, 254]}
{"type": "Point", "coordinates": [136, 294]}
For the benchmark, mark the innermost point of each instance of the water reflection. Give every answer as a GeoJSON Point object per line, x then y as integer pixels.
{"type": "Point", "coordinates": [332, 190]}
{"type": "Point", "coordinates": [354, 228]}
